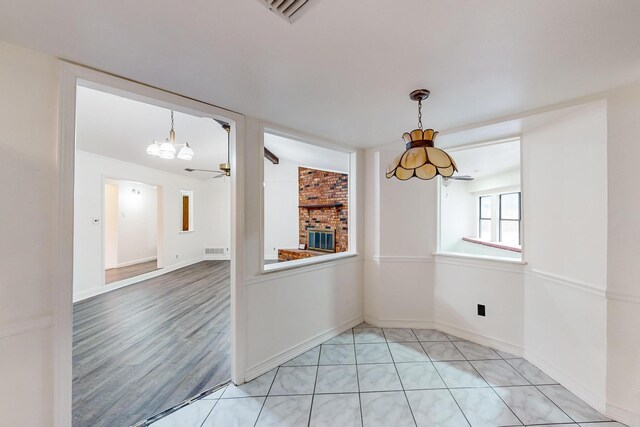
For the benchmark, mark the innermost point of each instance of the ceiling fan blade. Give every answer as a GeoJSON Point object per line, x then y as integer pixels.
{"type": "Point", "coordinates": [202, 170]}
{"type": "Point", "coordinates": [461, 178]}
{"type": "Point", "coordinates": [221, 123]}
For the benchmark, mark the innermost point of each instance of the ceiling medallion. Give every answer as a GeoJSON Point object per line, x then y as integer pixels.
{"type": "Point", "coordinates": [421, 159]}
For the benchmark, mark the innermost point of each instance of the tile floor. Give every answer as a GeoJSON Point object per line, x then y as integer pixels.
{"type": "Point", "coordinates": [394, 377]}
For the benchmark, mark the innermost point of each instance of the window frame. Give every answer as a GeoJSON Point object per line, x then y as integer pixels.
{"type": "Point", "coordinates": [519, 220]}
{"type": "Point", "coordinates": [353, 191]}
{"type": "Point", "coordinates": [481, 218]}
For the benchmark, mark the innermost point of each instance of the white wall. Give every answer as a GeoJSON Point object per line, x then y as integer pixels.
{"type": "Point", "coordinates": [216, 221]}
{"type": "Point", "coordinates": [137, 223]}
{"type": "Point", "coordinates": [178, 248]}
{"type": "Point", "coordinates": [565, 211]}
{"type": "Point", "coordinates": [623, 287]}
{"type": "Point", "coordinates": [290, 311]}
{"type": "Point", "coordinates": [28, 247]}
{"type": "Point", "coordinates": [281, 214]}
{"type": "Point", "coordinates": [459, 215]}
{"type": "Point", "coordinates": [400, 238]}
{"type": "Point", "coordinates": [111, 214]}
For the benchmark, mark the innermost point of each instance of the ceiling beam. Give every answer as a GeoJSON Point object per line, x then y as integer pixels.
{"type": "Point", "coordinates": [271, 157]}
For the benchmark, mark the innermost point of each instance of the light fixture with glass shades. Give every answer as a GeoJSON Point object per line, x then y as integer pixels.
{"type": "Point", "coordinates": [167, 149]}
{"type": "Point", "coordinates": [421, 159]}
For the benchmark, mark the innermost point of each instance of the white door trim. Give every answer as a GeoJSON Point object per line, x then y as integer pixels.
{"type": "Point", "coordinates": [70, 76]}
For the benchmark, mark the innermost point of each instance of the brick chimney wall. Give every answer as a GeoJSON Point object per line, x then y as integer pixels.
{"type": "Point", "coordinates": [317, 187]}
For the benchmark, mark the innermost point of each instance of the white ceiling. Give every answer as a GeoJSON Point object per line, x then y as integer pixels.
{"type": "Point", "coordinates": [344, 70]}
{"type": "Point", "coordinates": [485, 161]}
{"type": "Point", "coordinates": [307, 155]}
{"type": "Point", "coordinates": [121, 128]}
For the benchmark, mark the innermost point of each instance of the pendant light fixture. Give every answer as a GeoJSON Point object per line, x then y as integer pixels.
{"type": "Point", "coordinates": [421, 159]}
{"type": "Point", "coordinates": [167, 149]}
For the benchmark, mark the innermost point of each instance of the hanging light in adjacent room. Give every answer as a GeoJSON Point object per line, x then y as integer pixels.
{"type": "Point", "coordinates": [421, 159]}
{"type": "Point", "coordinates": [167, 149]}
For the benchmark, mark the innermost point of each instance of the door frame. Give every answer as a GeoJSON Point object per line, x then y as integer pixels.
{"type": "Point", "coordinates": [70, 76]}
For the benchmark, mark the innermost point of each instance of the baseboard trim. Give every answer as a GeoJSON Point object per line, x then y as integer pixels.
{"type": "Point", "coordinates": [209, 257]}
{"type": "Point", "coordinates": [449, 329]}
{"type": "Point", "coordinates": [82, 295]}
{"type": "Point", "coordinates": [492, 342]}
{"type": "Point", "coordinates": [295, 351]}
{"type": "Point", "coordinates": [623, 415]}
{"type": "Point", "coordinates": [137, 261]}
{"type": "Point", "coordinates": [24, 326]}
{"type": "Point", "coordinates": [399, 323]}
{"type": "Point", "coordinates": [595, 400]}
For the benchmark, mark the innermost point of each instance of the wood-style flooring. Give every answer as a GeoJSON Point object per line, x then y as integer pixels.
{"type": "Point", "coordinates": [145, 348]}
{"type": "Point", "coordinates": [114, 274]}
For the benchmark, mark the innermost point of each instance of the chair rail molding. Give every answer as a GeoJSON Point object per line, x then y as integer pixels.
{"type": "Point", "coordinates": [399, 259]}
{"type": "Point", "coordinates": [565, 281]}
{"type": "Point", "coordinates": [23, 326]}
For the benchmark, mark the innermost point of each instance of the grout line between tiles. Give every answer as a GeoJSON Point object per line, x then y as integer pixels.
{"type": "Point", "coordinates": [264, 402]}
{"type": "Point", "coordinates": [552, 401]}
{"type": "Point", "coordinates": [209, 413]}
{"type": "Point", "coordinates": [313, 395]}
{"type": "Point", "coordinates": [451, 394]}
{"type": "Point", "coordinates": [355, 355]}
{"type": "Point", "coordinates": [400, 379]}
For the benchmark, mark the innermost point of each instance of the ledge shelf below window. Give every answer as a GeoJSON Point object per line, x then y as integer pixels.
{"type": "Point", "coordinates": [493, 244]}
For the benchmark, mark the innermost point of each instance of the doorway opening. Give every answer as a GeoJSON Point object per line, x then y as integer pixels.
{"type": "Point", "coordinates": [152, 257]}
{"type": "Point", "coordinates": [130, 229]}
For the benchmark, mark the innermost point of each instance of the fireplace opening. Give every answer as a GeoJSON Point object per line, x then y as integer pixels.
{"type": "Point", "coordinates": [321, 240]}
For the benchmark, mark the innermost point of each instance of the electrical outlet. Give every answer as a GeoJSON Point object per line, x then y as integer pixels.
{"type": "Point", "coordinates": [481, 310]}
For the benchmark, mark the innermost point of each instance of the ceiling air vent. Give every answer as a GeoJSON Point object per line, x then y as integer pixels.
{"type": "Point", "coordinates": [290, 10]}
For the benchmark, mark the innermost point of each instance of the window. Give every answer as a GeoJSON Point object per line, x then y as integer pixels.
{"type": "Point", "coordinates": [485, 218]}
{"type": "Point", "coordinates": [480, 214]}
{"type": "Point", "coordinates": [307, 202]}
{"type": "Point", "coordinates": [187, 210]}
{"type": "Point", "coordinates": [510, 218]}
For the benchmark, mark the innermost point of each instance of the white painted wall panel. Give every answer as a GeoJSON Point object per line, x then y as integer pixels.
{"type": "Point", "coordinates": [28, 246]}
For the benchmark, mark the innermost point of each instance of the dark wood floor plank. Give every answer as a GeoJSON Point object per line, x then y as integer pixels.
{"type": "Point", "coordinates": [144, 348]}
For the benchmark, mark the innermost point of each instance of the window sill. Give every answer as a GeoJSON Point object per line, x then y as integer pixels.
{"type": "Point", "coordinates": [492, 244]}
{"type": "Point", "coordinates": [186, 232]}
{"type": "Point", "coordinates": [287, 265]}
{"type": "Point", "coordinates": [479, 258]}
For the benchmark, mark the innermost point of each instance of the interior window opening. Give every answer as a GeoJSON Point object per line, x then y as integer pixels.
{"type": "Point", "coordinates": [480, 207]}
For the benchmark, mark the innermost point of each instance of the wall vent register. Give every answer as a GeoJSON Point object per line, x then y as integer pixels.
{"type": "Point", "coordinates": [289, 10]}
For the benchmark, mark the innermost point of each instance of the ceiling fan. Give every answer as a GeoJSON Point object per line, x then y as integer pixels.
{"type": "Point", "coordinates": [225, 168]}
{"type": "Point", "coordinates": [447, 179]}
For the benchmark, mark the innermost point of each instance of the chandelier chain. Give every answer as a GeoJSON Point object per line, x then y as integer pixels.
{"type": "Point", "coordinates": [420, 114]}
{"type": "Point", "coordinates": [171, 119]}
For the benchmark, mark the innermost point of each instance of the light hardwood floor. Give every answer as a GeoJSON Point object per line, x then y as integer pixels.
{"type": "Point", "coordinates": [147, 347]}
{"type": "Point", "coordinates": [114, 274]}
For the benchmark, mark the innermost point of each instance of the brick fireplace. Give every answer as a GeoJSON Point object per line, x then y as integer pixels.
{"type": "Point", "coordinates": [323, 211]}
